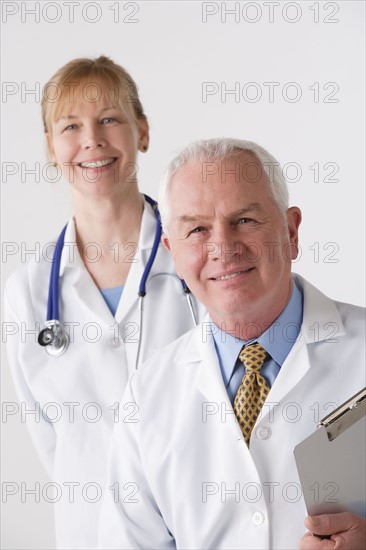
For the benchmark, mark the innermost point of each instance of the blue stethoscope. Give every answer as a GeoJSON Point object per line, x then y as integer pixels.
{"type": "Point", "coordinates": [52, 337]}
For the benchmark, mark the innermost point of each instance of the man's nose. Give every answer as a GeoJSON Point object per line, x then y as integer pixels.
{"type": "Point", "coordinates": [226, 246]}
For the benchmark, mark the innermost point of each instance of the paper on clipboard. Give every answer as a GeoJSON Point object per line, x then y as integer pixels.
{"type": "Point", "coordinates": [332, 461]}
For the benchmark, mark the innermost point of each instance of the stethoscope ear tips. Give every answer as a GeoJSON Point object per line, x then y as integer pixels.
{"type": "Point", "coordinates": [46, 337]}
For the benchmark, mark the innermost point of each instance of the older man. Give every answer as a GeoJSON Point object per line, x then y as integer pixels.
{"type": "Point", "coordinates": [207, 461]}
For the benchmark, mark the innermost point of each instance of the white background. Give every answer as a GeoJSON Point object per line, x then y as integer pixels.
{"type": "Point", "coordinates": [171, 53]}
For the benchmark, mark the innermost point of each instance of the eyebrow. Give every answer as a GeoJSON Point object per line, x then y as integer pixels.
{"type": "Point", "coordinates": [72, 117]}
{"type": "Point", "coordinates": [254, 206]}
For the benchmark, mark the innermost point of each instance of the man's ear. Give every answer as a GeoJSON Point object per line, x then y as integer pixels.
{"type": "Point", "coordinates": [293, 223]}
{"type": "Point", "coordinates": [166, 243]}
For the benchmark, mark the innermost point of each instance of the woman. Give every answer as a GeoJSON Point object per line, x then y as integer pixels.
{"type": "Point", "coordinates": [95, 126]}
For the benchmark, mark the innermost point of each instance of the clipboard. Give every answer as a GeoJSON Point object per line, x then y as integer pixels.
{"type": "Point", "coordinates": [331, 462]}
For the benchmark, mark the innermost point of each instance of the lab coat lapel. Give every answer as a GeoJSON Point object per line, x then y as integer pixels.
{"type": "Point", "coordinates": [91, 297]}
{"type": "Point", "coordinates": [320, 317]}
{"type": "Point", "coordinates": [292, 371]}
{"type": "Point", "coordinates": [72, 266]}
{"type": "Point", "coordinates": [322, 320]}
{"type": "Point", "coordinates": [84, 285]}
{"type": "Point", "coordinates": [70, 257]}
{"type": "Point", "coordinates": [127, 314]}
{"type": "Point", "coordinates": [210, 382]}
{"type": "Point", "coordinates": [129, 296]}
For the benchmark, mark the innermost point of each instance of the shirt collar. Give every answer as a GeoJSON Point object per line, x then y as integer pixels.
{"type": "Point", "coordinates": [277, 340]}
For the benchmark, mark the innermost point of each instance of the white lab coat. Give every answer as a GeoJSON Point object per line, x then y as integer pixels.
{"type": "Point", "coordinates": [80, 391]}
{"type": "Point", "coordinates": [196, 484]}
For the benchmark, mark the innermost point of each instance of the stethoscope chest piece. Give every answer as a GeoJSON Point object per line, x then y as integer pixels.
{"type": "Point", "coordinates": [53, 338]}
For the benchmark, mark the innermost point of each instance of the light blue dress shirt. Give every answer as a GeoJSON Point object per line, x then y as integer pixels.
{"type": "Point", "coordinates": [112, 297]}
{"type": "Point", "coordinates": [277, 340]}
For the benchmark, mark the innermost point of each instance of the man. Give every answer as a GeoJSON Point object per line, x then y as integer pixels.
{"type": "Point", "coordinates": [208, 461]}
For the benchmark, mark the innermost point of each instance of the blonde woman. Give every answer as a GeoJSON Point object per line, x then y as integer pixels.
{"type": "Point", "coordinates": [108, 260]}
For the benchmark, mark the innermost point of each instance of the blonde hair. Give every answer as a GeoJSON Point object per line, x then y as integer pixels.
{"type": "Point", "coordinates": [64, 88]}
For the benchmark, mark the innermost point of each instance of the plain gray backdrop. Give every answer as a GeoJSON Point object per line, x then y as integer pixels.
{"type": "Point", "coordinates": [289, 75]}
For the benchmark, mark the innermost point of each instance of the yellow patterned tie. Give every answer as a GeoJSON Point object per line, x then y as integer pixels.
{"type": "Point", "coordinates": [253, 390]}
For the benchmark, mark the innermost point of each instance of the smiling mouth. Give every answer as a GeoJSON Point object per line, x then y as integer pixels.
{"type": "Point", "coordinates": [231, 275]}
{"type": "Point", "coordinates": [97, 163]}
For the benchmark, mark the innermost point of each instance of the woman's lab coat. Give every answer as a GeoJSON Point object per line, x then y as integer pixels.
{"type": "Point", "coordinates": [196, 484]}
{"type": "Point", "coordinates": [76, 396]}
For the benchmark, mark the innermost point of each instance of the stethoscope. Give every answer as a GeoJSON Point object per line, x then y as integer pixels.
{"type": "Point", "coordinates": [52, 337]}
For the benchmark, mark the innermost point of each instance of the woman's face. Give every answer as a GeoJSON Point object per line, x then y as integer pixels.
{"type": "Point", "coordinates": [96, 146]}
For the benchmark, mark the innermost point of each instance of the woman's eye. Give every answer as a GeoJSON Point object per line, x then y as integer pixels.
{"type": "Point", "coordinates": [108, 120]}
{"type": "Point", "coordinates": [70, 127]}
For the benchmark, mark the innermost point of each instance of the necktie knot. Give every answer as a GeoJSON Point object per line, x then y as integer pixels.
{"type": "Point", "coordinates": [253, 357]}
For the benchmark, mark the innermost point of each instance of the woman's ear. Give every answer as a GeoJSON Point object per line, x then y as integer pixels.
{"type": "Point", "coordinates": [144, 135]}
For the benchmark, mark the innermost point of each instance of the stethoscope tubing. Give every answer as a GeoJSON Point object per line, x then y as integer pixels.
{"type": "Point", "coordinates": [154, 250]}
{"type": "Point", "coordinates": [53, 324]}
{"type": "Point", "coordinates": [53, 291]}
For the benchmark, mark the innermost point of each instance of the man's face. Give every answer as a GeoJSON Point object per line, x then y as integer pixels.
{"type": "Point", "coordinates": [230, 242]}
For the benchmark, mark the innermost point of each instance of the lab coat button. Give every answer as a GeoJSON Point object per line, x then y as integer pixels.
{"type": "Point", "coordinates": [263, 433]}
{"type": "Point", "coordinates": [258, 518]}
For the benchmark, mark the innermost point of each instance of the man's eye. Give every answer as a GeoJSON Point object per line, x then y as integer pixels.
{"type": "Point", "coordinates": [245, 220]}
{"type": "Point", "coordinates": [198, 229]}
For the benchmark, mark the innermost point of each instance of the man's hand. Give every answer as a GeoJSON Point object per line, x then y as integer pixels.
{"type": "Point", "coordinates": [348, 532]}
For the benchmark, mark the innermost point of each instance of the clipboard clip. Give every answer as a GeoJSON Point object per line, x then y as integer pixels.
{"type": "Point", "coordinates": [345, 416]}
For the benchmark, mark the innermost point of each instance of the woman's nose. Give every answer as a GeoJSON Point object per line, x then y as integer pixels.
{"type": "Point", "coordinates": [93, 138]}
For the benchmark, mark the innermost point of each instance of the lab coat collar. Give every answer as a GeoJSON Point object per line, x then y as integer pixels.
{"type": "Point", "coordinates": [70, 257]}
{"type": "Point", "coordinates": [321, 319]}
{"type": "Point", "coordinates": [84, 284]}
{"type": "Point", "coordinates": [146, 239]}
{"type": "Point", "coordinates": [199, 337]}
{"type": "Point", "coordinates": [201, 348]}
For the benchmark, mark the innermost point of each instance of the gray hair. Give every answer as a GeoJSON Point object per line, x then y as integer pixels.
{"type": "Point", "coordinates": [212, 150]}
